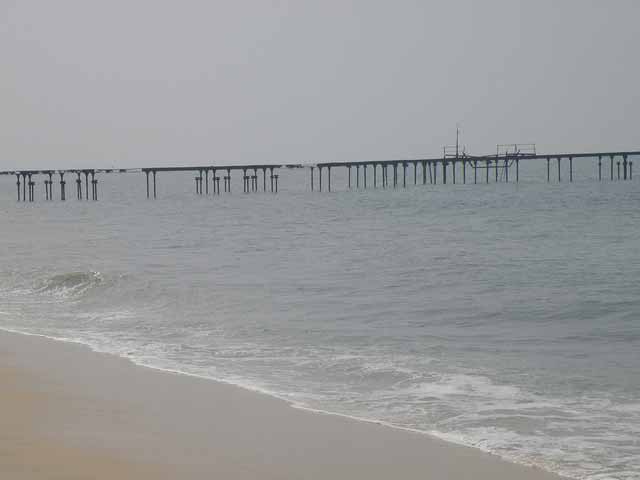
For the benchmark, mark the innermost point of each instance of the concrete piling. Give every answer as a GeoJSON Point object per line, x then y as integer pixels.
{"type": "Point", "coordinates": [62, 185]}
{"type": "Point", "coordinates": [559, 179]}
{"type": "Point", "coordinates": [404, 175]}
{"type": "Point", "coordinates": [570, 169]}
{"type": "Point", "coordinates": [78, 187]}
{"type": "Point", "coordinates": [600, 168]}
{"type": "Point", "coordinates": [94, 186]}
{"type": "Point", "coordinates": [611, 164]}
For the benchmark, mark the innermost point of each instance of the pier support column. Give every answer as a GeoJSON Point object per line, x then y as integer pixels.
{"type": "Point", "coordinates": [94, 186]}
{"type": "Point", "coordinates": [624, 166]}
{"type": "Point", "coordinates": [147, 174]}
{"type": "Point", "coordinates": [600, 168]}
{"type": "Point", "coordinates": [264, 179]}
{"type": "Point", "coordinates": [312, 179]}
{"type": "Point", "coordinates": [364, 175]}
{"type": "Point", "coordinates": [395, 175]}
{"type": "Point", "coordinates": [617, 162]}
{"type": "Point", "coordinates": [349, 176]}
{"type": "Point", "coordinates": [415, 173]}
{"type": "Point", "coordinates": [497, 167]}
{"type": "Point", "coordinates": [154, 184]}
{"type": "Point", "coordinates": [329, 179]}
{"type": "Point", "coordinates": [444, 172]}
{"type": "Point", "coordinates": [255, 179]}
{"type": "Point", "coordinates": [275, 177]}
{"type": "Point", "coordinates": [488, 165]}
{"type": "Point", "coordinates": [453, 171]}
{"type": "Point", "coordinates": [86, 185]}
{"type": "Point", "coordinates": [206, 181]}
{"type": "Point", "coordinates": [630, 170]}
{"type": "Point", "coordinates": [548, 169]}
{"type": "Point", "coordinates": [506, 170]}
{"type": "Point", "coordinates": [611, 163]}
{"type": "Point", "coordinates": [424, 173]}
{"type": "Point", "coordinates": [245, 181]}
{"type": "Point", "coordinates": [375, 174]}
{"type": "Point", "coordinates": [62, 184]}
{"type": "Point", "coordinates": [18, 184]}
{"type": "Point", "coordinates": [435, 172]}
{"type": "Point", "coordinates": [320, 178]}
{"type": "Point", "coordinates": [404, 175]}
{"type": "Point", "coordinates": [78, 187]}
{"type": "Point", "coordinates": [271, 170]}
{"type": "Point", "coordinates": [475, 172]}
{"type": "Point", "coordinates": [559, 179]}
{"type": "Point", "coordinates": [229, 180]}
{"type": "Point", "coordinates": [46, 189]}
{"type": "Point", "coordinates": [517, 170]}
{"type": "Point", "coordinates": [464, 171]}
{"type": "Point", "coordinates": [357, 176]}
{"type": "Point", "coordinates": [570, 169]}
{"type": "Point", "coordinates": [31, 183]}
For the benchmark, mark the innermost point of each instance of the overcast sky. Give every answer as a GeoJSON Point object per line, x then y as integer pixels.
{"type": "Point", "coordinates": [131, 83]}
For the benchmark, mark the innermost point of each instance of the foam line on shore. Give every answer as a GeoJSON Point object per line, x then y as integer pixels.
{"type": "Point", "coordinates": [296, 405]}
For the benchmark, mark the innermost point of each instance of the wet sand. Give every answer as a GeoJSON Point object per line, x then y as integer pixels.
{"type": "Point", "coordinates": [69, 413]}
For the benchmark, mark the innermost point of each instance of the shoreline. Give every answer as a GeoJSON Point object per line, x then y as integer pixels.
{"type": "Point", "coordinates": [260, 432]}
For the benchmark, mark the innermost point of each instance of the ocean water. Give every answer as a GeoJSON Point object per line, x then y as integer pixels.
{"type": "Point", "coordinates": [504, 317]}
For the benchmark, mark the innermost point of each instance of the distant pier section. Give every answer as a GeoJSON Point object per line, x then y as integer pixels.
{"type": "Point", "coordinates": [453, 167]}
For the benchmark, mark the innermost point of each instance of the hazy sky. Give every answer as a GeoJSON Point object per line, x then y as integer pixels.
{"type": "Point", "coordinates": [149, 82]}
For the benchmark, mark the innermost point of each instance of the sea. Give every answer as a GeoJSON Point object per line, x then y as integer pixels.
{"type": "Point", "coordinates": [502, 316]}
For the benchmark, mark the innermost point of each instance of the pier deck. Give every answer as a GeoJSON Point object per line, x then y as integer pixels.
{"type": "Point", "coordinates": [501, 164]}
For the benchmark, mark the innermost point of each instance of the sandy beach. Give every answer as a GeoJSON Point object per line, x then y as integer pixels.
{"type": "Point", "coordinates": [70, 413]}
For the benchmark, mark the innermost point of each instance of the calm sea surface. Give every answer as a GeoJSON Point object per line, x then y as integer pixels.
{"type": "Point", "coordinates": [501, 316]}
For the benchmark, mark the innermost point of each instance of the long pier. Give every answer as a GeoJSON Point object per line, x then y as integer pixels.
{"type": "Point", "coordinates": [618, 165]}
